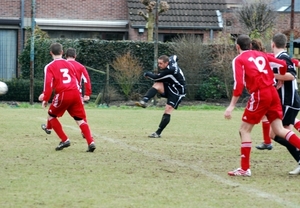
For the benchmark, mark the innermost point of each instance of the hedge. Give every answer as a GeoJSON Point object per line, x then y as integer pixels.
{"type": "Point", "coordinates": [95, 54]}
{"type": "Point", "coordinates": [92, 53]}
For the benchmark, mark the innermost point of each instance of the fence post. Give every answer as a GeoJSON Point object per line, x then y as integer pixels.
{"type": "Point", "coordinates": [107, 98]}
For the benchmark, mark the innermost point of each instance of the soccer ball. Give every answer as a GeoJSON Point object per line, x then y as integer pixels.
{"type": "Point", "coordinates": [3, 88]}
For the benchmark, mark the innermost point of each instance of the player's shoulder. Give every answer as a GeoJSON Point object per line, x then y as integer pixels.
{"type": "Point", "coordinates": [284, 55]}
{"type": "Point", "coordinates": [56, 63]}
{"type": "Point", "coordinates": [49, 64]}
{"type": "Point", "coordinates": [241, 56]}
{"type": "Point", "coordinates": [253, 54]}
{"type": "Point", "coordinates": [76, 63]}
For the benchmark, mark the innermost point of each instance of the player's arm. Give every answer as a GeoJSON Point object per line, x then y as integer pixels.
{"type": "Point", "coordinates": [87, 82]}
{"type": "Point", "coordinates": [290, 74]}
{"type": "Point", "coordinates": [47, 84]}
{"type": "Point", "coordinates": [286, 77]}
{"type": "Point", "coordinates": [277, 63]}
{"type": "Point", "coordinates": [41, 97]}
{"type": "Point", "coordinates": [231, 106]}
{"type": "Point", "coordinates": [161, 76]}
{"type": "Point", "coordinates": [238, 77]}
{"type": "Point", "coordinates": [296, 62]}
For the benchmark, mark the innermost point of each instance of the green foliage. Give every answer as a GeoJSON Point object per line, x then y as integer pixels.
{"type": "Point", "coordinates": [194, 59]}
{"type": "Point", "coordinates": [41, 55]}
{"type": "Point", "coordinates": [18, 90]}
{"type": "Point", "coordinates": [223, 53]}
{"type": "Point", "coordinates": [92, 53]}
{"type": "Point", "coordinates": [212, 88]}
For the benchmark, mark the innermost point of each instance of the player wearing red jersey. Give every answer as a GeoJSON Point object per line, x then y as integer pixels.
{"type": "Point", "coordinates": [256, 44]}
{"type": "Point", "coordinates": [267, 143]}
{"type": "Point", "coordinates": [81, 73]}
{"type": "Point", "coordinates": [251, 69]}
{"type": "Point", "coordinates": [82, 77]}
{"type": "Point", "coordinates": [60, 76]}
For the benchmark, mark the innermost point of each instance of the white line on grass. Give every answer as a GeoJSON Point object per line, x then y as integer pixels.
{"type": "Point", "coordinates": [199, 169]}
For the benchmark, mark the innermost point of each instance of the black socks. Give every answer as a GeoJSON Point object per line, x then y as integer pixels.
{"type": "Point", "coordinates": [150, 94]}
{"type": "Point", "coordinates": [164, 122]}
{"type": "Point", "coordinates": [293, 150]}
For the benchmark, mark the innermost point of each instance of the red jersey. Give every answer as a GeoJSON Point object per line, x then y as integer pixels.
{"type": "Point", "coordinates": [82, 75]}
{"type": "Point", "coordinates": [252, 69]}
{"type": "Point", "coordinates": [60, 76]}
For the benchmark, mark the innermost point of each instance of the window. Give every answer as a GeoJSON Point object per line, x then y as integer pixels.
{"type": "Point", "coordinates": [87, 34]}
{"type": "Point", "coordinates": [170, 37]}
{"type": "Point", "coordinates": [8, 54]}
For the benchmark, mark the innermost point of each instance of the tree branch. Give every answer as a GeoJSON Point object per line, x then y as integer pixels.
{"type": "Point", "coordinates": [145, 16]}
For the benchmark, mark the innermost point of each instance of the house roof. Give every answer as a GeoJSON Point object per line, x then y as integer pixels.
{"type": "Point", "coordinates": [285, 5]}
{"type": "Point", "coordinates": [234, 1]}
{"type": "Point", "coordinates": [182, 14]}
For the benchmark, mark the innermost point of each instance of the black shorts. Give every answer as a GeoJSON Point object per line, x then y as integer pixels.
{"type": "Point", "coordinates": [289, 115]}
{"type": "Point", "coordinates": [172, 95]}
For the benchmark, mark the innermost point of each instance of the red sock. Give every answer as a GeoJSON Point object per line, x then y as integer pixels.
{"type": "Point", "coordinates": [85, 129]}
{"type": "Point", "coordinates": [48, 126]}
{"type": "Point", "coordinates": [292, 138]}
{"type": "Point", "coordinates": [245, 155]}
{"type": "Point", "coordinates": [266, 132]}
{"type": "Point", "coordinates": [58, 129]}
{"type": "Point", "coordinates": [297, 126]}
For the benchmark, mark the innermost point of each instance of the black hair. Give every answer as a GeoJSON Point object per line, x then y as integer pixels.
{"type": "Point", "coordinates": [71, 52]}
{"type": "Point", "coordinates": [280, 40]}
{"type": "Point", "coordinates": [56, 48]}
{"type": "Point", "coordinates": [165, 58]}
{"type": "Point", "coordinates": [244, 42]}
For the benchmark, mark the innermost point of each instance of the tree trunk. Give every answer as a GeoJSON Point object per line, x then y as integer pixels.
{"type": "Point", "coordinates": [150, 26]}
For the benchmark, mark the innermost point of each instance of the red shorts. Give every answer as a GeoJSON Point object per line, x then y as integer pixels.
{"type": "Point", "coordinates": [70, 101]}
{"type": "Point", "coordinates": [263, 102]}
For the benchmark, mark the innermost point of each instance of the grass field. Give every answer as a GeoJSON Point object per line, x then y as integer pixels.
{"type": "Point", "coordinates": [187, 167]}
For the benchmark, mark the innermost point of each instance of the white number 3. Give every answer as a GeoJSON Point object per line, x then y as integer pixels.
{"type": "Point", "coordinates": [66, 76]}
{"type": "Point", "coordinates": [260, 63]}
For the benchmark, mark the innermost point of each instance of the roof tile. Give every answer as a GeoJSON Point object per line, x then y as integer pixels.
{"type": "Point", "coordinates": [182, 13]}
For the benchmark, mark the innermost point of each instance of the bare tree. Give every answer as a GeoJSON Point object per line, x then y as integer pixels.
{"type": "Point", "coordinates": [257, 17]}
{"type": "Point", "coordinates": [224, 52]}
{"type": "Point", "coordinates": [194, 59]}
{"type": "Point", "coordinates": [149, 16]}
{"type": "Point", "coordinates": [127, 73]}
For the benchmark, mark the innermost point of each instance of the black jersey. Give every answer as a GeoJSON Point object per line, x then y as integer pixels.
{"type": "Point", "coordinates": [172, 75]}
{"type": "Point", "coordinates": [289, 91]}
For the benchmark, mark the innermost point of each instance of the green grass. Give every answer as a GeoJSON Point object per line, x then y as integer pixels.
{"type": "Point", "coordinates": [187, 167]}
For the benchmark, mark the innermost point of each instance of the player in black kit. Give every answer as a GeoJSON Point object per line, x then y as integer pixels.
{"type": "Point", "coordinates": [169, 83]}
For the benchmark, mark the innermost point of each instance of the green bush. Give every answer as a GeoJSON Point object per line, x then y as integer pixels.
{"type": "Point", "coordinates": [98, 54]}
{"type": "Point", "coordinates": [211, 88]}
{"type": "Point", "coordinates": [19, 90]}
{"type": "Point", "coordinates": [92, 53]}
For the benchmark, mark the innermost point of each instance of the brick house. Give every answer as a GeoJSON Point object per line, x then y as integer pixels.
{"type": "Point", "coordinates": [105, 19]}
{"type": "Point", "coordinates": [115, 20]}
{"type": "Point", "coordinates": [183, 17]}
